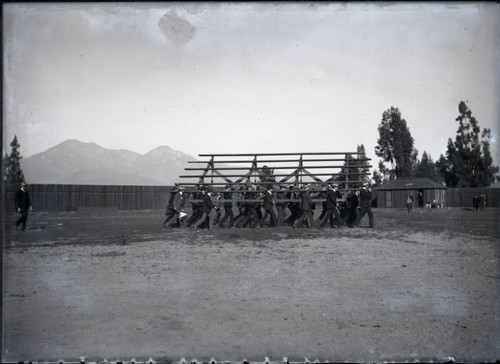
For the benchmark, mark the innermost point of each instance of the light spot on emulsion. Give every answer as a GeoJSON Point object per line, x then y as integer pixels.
{"type": "Point", "coordinates": [175, 29]}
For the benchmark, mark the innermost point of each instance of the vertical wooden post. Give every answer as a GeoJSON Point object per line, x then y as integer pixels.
{"type": "Point", "coordinates": [347, 158]}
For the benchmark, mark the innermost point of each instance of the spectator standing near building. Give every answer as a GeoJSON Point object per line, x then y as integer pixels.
{"type": "Point", "coordinates": [23, 204]}
{"type": "Point", "coordinates": [409, 203]}
{"type": "Point", "coordinates": [366, 204]}
{"type": "Point", "coordinates": [482, 201]}
{"type": "Point", "coordinates": [475, 202]}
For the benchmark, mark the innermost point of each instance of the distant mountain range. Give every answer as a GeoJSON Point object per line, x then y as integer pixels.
{"type": "Point", "coordinates": [75, 162]}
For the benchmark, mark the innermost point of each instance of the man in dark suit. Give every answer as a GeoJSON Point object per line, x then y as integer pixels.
{"type": "Point", "coordinates": [228, 207]}
{"type": "Point", "coordinates": [176, 203]}
{"type": "Point", "coordinates": [250, 215]}
{"type": "Point", "coordinates": [23, 204]}
{"type": "Point", "coordinates": [332, 211]}
{"type": "Point", "coordinates": [352, 206]}
{"type": "Point", "coordinates": [195, 206]}
{"type": "Point", "coordinates": [206, 206]}
{"type": "Point", "coordinates": [305, 207]}
{"type": "Point", "coordinates": [280, 205]}
{"type": "Point", "coordinates": [267, 205]}
{"type": "Point", "coordinates": [366, 204]}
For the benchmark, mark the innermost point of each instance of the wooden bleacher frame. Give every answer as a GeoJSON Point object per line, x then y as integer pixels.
{"type": "Point", "coordinates": [214, 175]}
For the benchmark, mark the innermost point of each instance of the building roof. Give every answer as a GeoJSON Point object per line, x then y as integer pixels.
{"type": "Point", "coordinates": [411, 183]}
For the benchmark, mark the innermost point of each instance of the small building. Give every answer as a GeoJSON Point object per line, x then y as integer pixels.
{"type": "Point", "coordinates": [422, 190]}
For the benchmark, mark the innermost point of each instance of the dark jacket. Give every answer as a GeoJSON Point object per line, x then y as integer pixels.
{"type": "Point", "coordinates": [331, 199]}
{"type": "Point", "coordinates": [366, 198]}
{"type": "Point", "coordinates": [306, 202]}
{"type": "Point", "coordinates": [207, 204]}
{"type": "Point", "coordinates": [352, 200]}
{"type": "Point", "coordinates": [22, 200]}
{"type": "Point", "coordinates": [179, 201]}
{"type": "Point", "coordinates": [268, 201]}
{"type": "Point", "coordinates": [227, 197]}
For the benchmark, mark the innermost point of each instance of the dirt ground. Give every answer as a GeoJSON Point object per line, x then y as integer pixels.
{"type": "Point", "coordinates": [115, 285]}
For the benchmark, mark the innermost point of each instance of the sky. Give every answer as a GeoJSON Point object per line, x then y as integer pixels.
{"type": "Point", "coordinates": [211, 77]}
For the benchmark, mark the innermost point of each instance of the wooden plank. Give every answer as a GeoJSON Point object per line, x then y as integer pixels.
{"type": "Point", "coordinates": [274, 154]}
{"type": "Point", "coordinates": [263, 183]}
{"type": "Point", "coordinates": [270, 167]}
{"type": "Point", "coordinates": [283, 160]}
{"type": "Point", "coordinates": [277, 175]}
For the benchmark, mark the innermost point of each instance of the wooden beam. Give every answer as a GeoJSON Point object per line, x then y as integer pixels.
{"type": "Point", "coordinates": [264, 183]}
{"type": "Point", "coordinates": [283, 160]}
{"type": "Point", "coordinates": [274, 154]}
{"type": "Point", "coordinates": [291, 167]}
{"type": "Point", "coordinates": [276, 175]}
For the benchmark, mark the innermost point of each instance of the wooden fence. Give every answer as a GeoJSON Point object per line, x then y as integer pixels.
{"type": "Point", "coordinates": [462, 197]}
{"type": "Point", "coordinates": [77, 197]}
{"type": "Point", "coordinates": [74, 197]}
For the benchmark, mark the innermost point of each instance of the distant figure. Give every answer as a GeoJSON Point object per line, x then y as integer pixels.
{"type": "Point", "coordinates": [206, 206]}
{"type": "Point", "coordinates": [352, 206]}
{"type": "Point", "coordinates": [175, 205]}
{"type": "Point", "coordinates": [305, 207]}
{"type": "Point", "coordinates": [475, 202]}
{"type": "Point", "coordinates": [482, 201]}
{"type": "Point", "coordinates": [366, 204]}
{"type": "Point", "coordinates": [228, 207]}
{"type": "Point", "coordinates": [268, 205]}
{"type": "Point", "coordinates": [23, 204]}
{"type": "Point", "coordinates": [332, 212]}
{"type": "Point", "coordinates": [409, 203]}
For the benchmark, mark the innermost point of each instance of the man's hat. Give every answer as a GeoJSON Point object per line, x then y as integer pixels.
{"type": "Point", "coordinates": [305, 187]}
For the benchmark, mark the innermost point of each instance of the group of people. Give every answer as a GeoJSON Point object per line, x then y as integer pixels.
{"type": "Point", "coordinates": [478, 202]}
{"type": "Point", "coordinates": [256, 208]}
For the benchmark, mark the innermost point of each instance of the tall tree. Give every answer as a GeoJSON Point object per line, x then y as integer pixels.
{"type": "Point", "coordinates": [14, 171]}
{"type": "Point", "coordinates": [364, 165]}
{"type": "Point", "coordinates": [383, 175]}
{"type": "Point", "coordinates": [5, 166]}
{"type": "Point", "coordinates": [395, 144]}
{"type": "Point", "coordinates": [427, 168]}
{"type": "Point", "coordinates": [468, 161]}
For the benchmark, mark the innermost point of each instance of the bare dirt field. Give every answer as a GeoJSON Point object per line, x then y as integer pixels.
{"type": "Point", "coordinates": [115, 285]}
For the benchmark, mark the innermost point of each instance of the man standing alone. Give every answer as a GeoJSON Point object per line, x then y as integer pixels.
{"type": "Point", "coordinates": [23, 204]}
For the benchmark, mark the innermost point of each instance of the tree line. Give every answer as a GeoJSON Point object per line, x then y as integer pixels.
{"type": "Point", "coordinates": [467, 162]}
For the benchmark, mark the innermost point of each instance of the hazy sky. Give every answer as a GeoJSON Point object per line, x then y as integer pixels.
{"type": "Point", "coordinates": [246, 77]}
